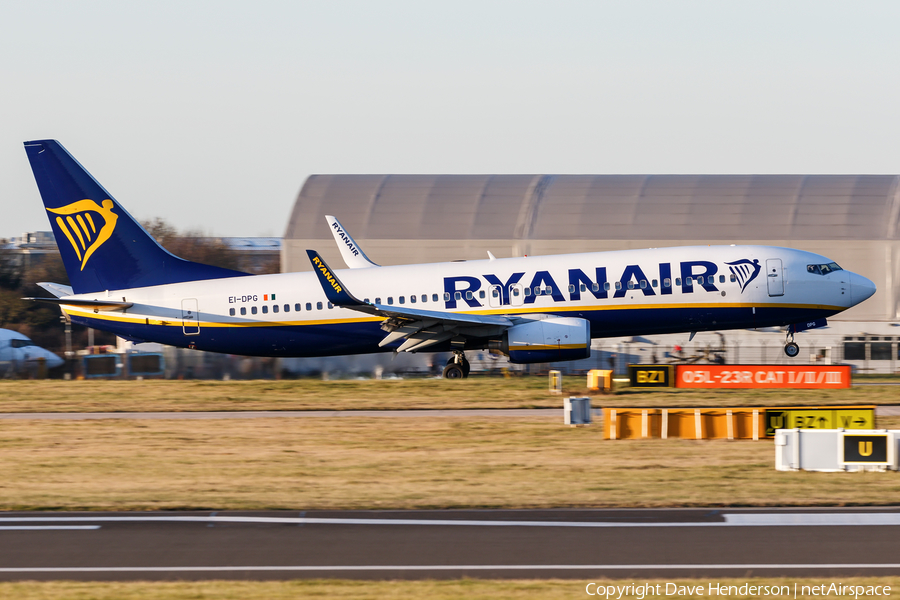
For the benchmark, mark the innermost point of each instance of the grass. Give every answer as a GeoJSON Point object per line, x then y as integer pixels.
{"type": "Point", "coordinates": [309, 394]}
{"type": "Point", "coordinates": [471, 589]}
{"type": "Point", "coordinates": [397, 463]}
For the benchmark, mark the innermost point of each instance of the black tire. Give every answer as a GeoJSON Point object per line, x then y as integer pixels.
{"type": "Point", "coordinates": [466, 368]}
{"type": "Point", "coordinates": [791, 349]}
{"type": "Point", "coordinates": [454, 371]}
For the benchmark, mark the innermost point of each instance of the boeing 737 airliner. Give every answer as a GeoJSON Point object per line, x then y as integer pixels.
{"type": "Point", "coordinates": [532, 309]}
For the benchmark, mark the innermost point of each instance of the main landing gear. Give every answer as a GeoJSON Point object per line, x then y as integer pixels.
{"type": "Point", "coordinates": [791, 348]}
{"type": "Point", "coordinates": [457, 367]}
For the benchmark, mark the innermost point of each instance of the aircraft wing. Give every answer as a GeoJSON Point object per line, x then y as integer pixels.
{"type": "Point", "coordinates": [352, 254]}
{"type": "Point", "coordinates": [419, 328]}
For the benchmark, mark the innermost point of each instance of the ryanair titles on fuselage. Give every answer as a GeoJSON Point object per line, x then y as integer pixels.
{"type": "Point", "coordinates": [327, 274]}
{"type": "Point", "coordinates": [345, 238]}
{"type": "Point", "coordinates": [701, 272]}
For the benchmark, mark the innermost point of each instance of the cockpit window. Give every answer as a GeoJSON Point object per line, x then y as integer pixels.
{"type": "Point", "coordinates": [20, 343]}
{"type": "Point", "coordinates": [823, 269]}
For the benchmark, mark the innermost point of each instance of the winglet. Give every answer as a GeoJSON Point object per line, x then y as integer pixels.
{"type": "Point", "coordinates": [352, 254]}
{"type": "Point", "coordinates": [334, 290]}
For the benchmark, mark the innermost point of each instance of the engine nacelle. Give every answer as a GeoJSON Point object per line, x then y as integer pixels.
{"type": "Point", "coordinates": [558, 338]}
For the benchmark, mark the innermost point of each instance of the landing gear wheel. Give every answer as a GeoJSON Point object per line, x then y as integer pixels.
{"type": "Point", "coordinates": [458, 360]}
{"type": "Point", "coordinates": [454, 371]}
{"type": "Point", "coordinates": [791, 349]}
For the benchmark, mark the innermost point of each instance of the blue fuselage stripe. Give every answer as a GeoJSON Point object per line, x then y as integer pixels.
{"type": "Point", "coordinates": [359, 337]}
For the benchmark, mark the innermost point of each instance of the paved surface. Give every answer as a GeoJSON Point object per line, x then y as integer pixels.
{"type": "Point", "coordinates": [261, 414]}
{"type": "Point", "coordinates": [579, 544]}
{"type": "Point", "coordinates": [555, 413]}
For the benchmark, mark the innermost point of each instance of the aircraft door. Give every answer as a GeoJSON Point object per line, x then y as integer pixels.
{"type": "Point", "coordinates": [774, 277]}
{"type": "Point", "coordinates": [190, 316]}
{"type": "Point", "coordinates": [495, 297]}
{"type": "Point", "coordinates": [516, 295]}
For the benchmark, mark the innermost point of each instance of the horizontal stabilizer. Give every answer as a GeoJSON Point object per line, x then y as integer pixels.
{"type": "Point", "coordinates": [57, 289]}
{"type": "Point", "coordinates": [94, 304]}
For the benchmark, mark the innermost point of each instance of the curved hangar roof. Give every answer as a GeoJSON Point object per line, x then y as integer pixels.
{"type": "Point", "coordinates": [600, 207]}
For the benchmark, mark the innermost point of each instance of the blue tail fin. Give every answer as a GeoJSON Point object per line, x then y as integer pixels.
{"type": "Point", "coordinates": [102, 246]}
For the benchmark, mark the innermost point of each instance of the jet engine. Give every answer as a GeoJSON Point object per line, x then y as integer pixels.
{"type": "Point", "coordinates": [549, 340]}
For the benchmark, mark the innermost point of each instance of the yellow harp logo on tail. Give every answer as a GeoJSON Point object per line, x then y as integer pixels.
{"type": "Point", "coordinates": [80, 223]}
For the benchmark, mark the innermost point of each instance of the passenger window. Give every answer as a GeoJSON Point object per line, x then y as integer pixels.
{"type": "Point", "coordinates": [528, 291]}
{"type": "Point", "coordinates": [265, 309]}
{"type": "Point", "coordinates": [412, 299]}
{"type": "Point", "coordinates": [689, 281]}
{"type": "Point", "coordinates": [425, 298]}
{"type": "Point", "coordinates": [572, 288]}
{"type": "Point", "coordinates": [618, 285]}
{"type": "Point", "coordinates": [606, 286]}
{"type": "Point", "coordinates": [447, 296]}
{"type": "Point", "coordinates": [253, 310]}
{"type": "Point", "coordinates": [667, 282]}
{"type": "Point", "coordinates": [402, 299]}
{"type": "Point", "coordinates": [630, 285]}
{"type": "Point", "coordinates": [287, 308]}
{"type": "Point", "coordinates": [330, 305]}
{"type": "Point", "coordinates": [231, 311]}
{"type": "Point", "coordinates": [318, 306]}
{"type": "Point", "coordinates": [469, 295]}
{"type": "Point", "coordinates": [699, 279]}
{"type": "Point", "coordinates": [515, 292]}
{"type": "Point", "coordinates": [243, 310]}
{"type": "Point", "coordinates": [643, 284]}
{"type": "Point", "coordinates": [481, 294]}
{"type": "Point", "coordinates": [457, 296]}
{"type": "Point", "coordinates": [655, 283]}
{"type": "Point", "coordinates": [733, 278]}
{"type": "Point", "coordinates": [309, 306]}
{"type": "Point", "coordinates": [390, 300]}
{"type": "Point", "coordinates": [583, 287]}
{"type": "Point", "coordinates": [377, 300]}
{"type": "Point", "coordinates": [366, 300]}
{"type": "Point", "coordinates": [721, 279]}
{"type": "Point", "coordinates": [595, 287]}
{"type": "Point", "coordinates": [678, 281]}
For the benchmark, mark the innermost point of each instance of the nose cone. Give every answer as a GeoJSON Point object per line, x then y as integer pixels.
{"type": "Point", "coordinates": [861, 288]}
{"type": "Point", "coordinates": [53, 360]}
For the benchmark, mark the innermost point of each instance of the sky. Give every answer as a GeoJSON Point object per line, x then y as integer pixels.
{"type": "Point", "coordinates": [211, 114]}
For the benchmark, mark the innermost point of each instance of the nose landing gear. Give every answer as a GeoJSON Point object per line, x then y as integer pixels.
{"type": "Point", "coordinates": [457, 367]}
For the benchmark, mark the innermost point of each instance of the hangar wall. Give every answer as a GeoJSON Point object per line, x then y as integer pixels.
{"type": "Point", "coordinates": [397, 219]}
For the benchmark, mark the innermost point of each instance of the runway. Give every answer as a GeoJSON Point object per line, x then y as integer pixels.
{"type": "Point", "coordinates": [552, 413]}
{"type": "Point", "coordinates": [578, 544]}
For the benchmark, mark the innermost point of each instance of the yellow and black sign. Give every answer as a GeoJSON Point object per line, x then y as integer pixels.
{"type": "Point", "coordinates": [651, 376]}
{"type": "Point", "coordinates": [871, 448]}
{"type": "Point", "coordinates": [819, 418]}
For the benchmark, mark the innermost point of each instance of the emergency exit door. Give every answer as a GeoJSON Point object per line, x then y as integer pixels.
{"type": "Point", "coordinates": [774, 277]}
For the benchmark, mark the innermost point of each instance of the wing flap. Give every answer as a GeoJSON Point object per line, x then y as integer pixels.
{"type": "Point", "coordinates": [419, 328]}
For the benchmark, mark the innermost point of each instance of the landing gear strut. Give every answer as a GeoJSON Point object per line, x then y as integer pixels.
{"type": "Point", "coordinates": [790, 348]}
{"type": "Point", "coordinates": [457, 367]}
